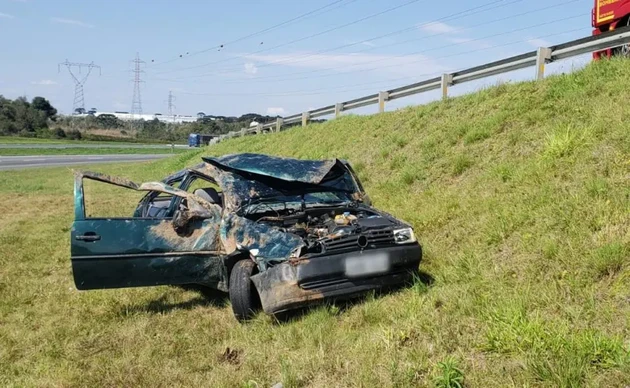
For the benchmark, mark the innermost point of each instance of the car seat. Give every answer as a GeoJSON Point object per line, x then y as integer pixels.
{"type": "Point", "coordinates": [210, 195]}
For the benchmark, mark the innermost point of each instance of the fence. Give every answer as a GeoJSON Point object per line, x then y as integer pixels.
{"type": "Point", "coordinates": [537, 58]}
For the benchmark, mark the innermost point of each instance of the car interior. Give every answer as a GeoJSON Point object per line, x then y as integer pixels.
{"type": "Point", "coordinates": [159, 205]}
{"type": "Point", "coordinates": [210, 194]}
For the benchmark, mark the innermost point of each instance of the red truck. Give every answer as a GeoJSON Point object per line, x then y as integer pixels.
{"type": "Point", "coordinates": [607, 15]}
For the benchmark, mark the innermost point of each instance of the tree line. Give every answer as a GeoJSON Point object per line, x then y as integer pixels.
{"type": "Point", "coordinates": [38, 118]}
{"type": "Point", "coordinates": [21, 117]}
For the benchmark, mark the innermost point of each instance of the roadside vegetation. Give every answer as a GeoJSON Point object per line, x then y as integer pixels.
{"type": "Point", "coordinates": [89, 151]}
{"type": "Point", "coordinates": [39, 119]}
{"type": "Point", "coordinates": [519, 194]}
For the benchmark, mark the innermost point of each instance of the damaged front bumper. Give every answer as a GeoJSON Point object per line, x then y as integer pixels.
{"type": "Point", "coordinates": [297, 284]}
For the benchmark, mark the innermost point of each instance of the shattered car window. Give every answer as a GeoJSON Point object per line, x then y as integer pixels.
{"type": "Point", "coordinates": [103, 200]}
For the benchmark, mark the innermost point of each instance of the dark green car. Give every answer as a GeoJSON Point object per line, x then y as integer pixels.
{"type": "Point", "coordinates": [273, 232]}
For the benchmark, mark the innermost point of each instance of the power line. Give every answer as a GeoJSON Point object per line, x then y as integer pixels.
{"type": "Point", "coordinates": [260, 32]}
{"type": "Point", "coordinates": [465, 13]}
{"type": "Point", "coordinates": [410, 41]}
{"type": "Point", "coordinates": [328, 90]}
{"type": "Point", "coordinates": [397, 56]}
{"type": "Point", "coordinates": [415, 27]}
{"type": "Point", "coordinates": [300, 39]}
{"type": "Point", "coordinates": [79, 80]}
{"type": "Point", "coordinates": [319, 10]}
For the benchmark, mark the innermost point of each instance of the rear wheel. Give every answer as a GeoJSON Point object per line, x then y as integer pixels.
{"type": "Point", "coordinates": [243, 295]}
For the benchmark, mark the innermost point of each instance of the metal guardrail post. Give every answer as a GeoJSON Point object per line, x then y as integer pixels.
{"type": "Point", "coordinates": [382, 97]}
{"type": "Point", "coordinates": [447, 80]}
{"type": "Point", "coordinates": [259, 128]}
{"type": "Point", "coordinates": [279, 122]}
{"type": "Point", "coordinates": [338, 109]}
{"type": "Point", "coordinates": [305, 117]}
{"type": "Point", "coordinates": [543, 56]}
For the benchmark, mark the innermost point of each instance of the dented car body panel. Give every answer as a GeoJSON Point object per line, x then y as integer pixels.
{"type": "Point", "coordinates": [308, 225]}
{"type": "Point", "coordinates": [138, 251]}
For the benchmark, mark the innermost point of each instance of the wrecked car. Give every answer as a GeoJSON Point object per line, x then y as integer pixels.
{"type": "Point", "coordinates": [274, 233]}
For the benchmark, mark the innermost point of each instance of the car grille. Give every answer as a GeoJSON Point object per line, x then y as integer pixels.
{"type": "Point", "coordinates": [340, 282]}
{"type": "Point", "coordinates": [375, 239]}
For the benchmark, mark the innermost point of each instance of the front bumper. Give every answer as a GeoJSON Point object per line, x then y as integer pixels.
{"type": "Point", "coordinates": [292, 285]}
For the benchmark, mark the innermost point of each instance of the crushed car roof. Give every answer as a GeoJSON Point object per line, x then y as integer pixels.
{"type": "Point", "coordinates": [287, 169]}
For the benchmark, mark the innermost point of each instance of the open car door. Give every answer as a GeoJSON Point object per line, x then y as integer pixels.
{"type": "Point", "coordinates": [182, 248]}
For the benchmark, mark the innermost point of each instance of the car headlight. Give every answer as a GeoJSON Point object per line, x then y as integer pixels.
{"type": "Point", "coordinates": [404, 236]}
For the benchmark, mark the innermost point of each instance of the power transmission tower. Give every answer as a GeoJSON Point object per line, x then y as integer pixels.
{"type": "Point", "coordinates": [171, 106]}
{"type": "Point", "coordinates": [136, 104]}
{"type": "Point", "coordinates": [79, 80]}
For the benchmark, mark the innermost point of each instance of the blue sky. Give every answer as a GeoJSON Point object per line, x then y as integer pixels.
{"type": "Point", "coordinates": [267, 72]}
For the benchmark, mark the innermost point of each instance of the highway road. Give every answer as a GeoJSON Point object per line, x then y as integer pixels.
{"type": "Point", "coordinates": [19, 162]}
{"type": "Point", "coordinates": [65, 146]}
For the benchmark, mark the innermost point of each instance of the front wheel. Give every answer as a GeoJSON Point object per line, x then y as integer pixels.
{"type": "Point", "coordinates": [243, 295]}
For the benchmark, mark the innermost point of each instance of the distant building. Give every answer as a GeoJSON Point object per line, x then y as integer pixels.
{"type": "Point", "coordinates": [126, 116]}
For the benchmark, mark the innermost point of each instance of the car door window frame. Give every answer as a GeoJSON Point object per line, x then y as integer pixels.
{"type": "Point", "coordinates": [187, 181]}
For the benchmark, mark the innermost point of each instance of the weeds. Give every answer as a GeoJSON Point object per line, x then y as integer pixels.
{"type": "Point", "coordinates": [564, 142]}
{"type": "Point", "coordinates": [448, 374]}
{"type": "Point", "coordinates": [461, 163]}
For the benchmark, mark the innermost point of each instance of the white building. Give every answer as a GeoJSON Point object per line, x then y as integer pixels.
{"type": "Point", "coordinates": [126, 116]}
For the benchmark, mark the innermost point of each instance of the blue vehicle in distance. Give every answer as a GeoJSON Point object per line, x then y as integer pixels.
{"type": "Point", "coordinates": [197, 139]}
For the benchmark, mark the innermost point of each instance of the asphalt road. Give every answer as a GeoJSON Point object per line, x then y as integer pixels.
{"type": "Point", "coordinates": [19, 162]}
{"type": "Point", "coordinates": [104, 145]}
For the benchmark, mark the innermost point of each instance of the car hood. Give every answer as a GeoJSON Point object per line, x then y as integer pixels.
{"type": "Point", "coordinates": [247, 177]}
{"type": "Point", "coordinates": [286, 169]}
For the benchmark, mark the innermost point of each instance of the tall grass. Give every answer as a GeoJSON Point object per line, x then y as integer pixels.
{"type": "Point", "coordinates": [523, 212]}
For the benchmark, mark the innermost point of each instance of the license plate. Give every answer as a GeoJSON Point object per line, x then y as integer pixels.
{"type": "Point", "coordinates": [367, 264]}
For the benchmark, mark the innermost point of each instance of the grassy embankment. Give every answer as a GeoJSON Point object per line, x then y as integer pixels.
{"type": "Point", "coordinates": [519, 193]}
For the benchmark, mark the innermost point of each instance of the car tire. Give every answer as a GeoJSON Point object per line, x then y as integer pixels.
{"type": "Point", "coordinates": [243, 294]}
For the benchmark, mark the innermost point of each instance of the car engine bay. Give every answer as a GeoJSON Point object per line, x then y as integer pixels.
{"type": "Point", "coordinates": [326, 230]}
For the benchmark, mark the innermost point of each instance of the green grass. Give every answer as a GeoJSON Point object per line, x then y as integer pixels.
{"type": "Point", "coordinates": [34, 140]}
{"type": "Point", "coordinates": [30, 140]}
{"type": "Point", "coordinates": [524, 215]}
{"type": "Point", "coordinates": [87, 151]}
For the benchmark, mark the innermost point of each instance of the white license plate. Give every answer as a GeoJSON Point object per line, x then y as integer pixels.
{"type": "Point", "coordinates": [367, 264]}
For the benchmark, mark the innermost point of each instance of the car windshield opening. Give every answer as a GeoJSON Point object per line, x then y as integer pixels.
{"type": "Point", "coordinates": [294, 202]}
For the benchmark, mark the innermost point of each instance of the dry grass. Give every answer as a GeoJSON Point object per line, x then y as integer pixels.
{"type": "Point", "coordinates": [519, 194]}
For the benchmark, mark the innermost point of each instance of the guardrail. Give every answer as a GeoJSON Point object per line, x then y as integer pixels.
{"type": "Point", "coordinates": [537, 58]}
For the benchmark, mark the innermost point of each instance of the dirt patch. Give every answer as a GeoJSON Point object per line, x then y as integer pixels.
{"type": "Point", "coordinates": [165, 231]}
{"type": "Point", "coordinates": [230, 356]}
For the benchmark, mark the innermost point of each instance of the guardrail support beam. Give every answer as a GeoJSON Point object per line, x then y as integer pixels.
{"type": "Point", "coordinates": [259, 129]}
{"type": "Point", "coordinates": [279, 122]}
{"type": "Point", "coordinates": [382, 97]}
{"type": "Point", "coordinates": [305, 118]}
{"type": "Point", "coordinates": [338, 109]}
{"type": "Point", "coordinates": [542, 57]}
{"type": "Point", "coordinates": [447, 80]}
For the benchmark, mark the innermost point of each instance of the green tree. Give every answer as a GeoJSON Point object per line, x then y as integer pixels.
{"type": "Point", "coordinates": [43, 105]}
